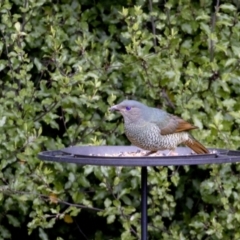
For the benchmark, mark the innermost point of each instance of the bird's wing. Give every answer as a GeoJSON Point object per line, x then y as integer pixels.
{"type": "Point", "coordinates": [175, 124]}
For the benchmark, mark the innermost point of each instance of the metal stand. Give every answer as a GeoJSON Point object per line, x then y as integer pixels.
{"type": "Point", "coordinates": [144, 203]}
{"type": "Point", "coordinates": [83, 155]}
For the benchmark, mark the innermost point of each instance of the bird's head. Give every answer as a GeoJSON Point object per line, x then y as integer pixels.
{"type": "Point", "coordinates": [131, 110]}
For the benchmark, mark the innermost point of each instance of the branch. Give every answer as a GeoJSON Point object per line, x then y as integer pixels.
{"type": "Point", "coordinates": [213, 24]}
{"type": "Point", "coordinates": [153, 25]}
{"type": "Point", "coordinates": [8, 191]}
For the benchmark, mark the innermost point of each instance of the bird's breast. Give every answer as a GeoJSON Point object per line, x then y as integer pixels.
{"type": "Point", "coordinates": [144, 135]}
{"type": "Point", "coordinates": [147, 136]}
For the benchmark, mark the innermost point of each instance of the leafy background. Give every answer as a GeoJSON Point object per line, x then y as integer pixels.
{"type": "Point", "coordinates": [63, 63]}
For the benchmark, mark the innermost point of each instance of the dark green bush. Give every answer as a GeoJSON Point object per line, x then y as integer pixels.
{"type": "Point", "coordinates": [63, 63]}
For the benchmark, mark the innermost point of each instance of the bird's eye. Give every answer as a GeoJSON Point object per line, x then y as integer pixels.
{"type": "Point", "coordinates": [128, 108]}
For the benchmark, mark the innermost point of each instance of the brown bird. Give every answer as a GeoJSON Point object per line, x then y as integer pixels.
{"type": "Point", "coordinates": [154, 129]}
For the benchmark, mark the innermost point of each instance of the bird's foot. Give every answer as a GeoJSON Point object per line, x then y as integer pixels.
{"type": "Point", "coordinates": [149, 153]}
{"type": "Point", "coordinates": [171, 153]}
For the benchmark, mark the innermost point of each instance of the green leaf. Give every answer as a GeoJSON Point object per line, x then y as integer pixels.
{"type": "Point", "coordinates": [230, 61]}
{"type": "Point", "coordinates": [228, 7]}
{"type": "Point", "coordinates": [107, 203]}
{"type": "Point", "coordinates": [111, 219]}
{"type": "Point", "coordinates": [187, 28]}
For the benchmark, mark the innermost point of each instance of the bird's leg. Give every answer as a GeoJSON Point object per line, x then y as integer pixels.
{"type": "Point", "coordinates": [149, 153]}
{"type": "Point", "coordinates": [171, 152]}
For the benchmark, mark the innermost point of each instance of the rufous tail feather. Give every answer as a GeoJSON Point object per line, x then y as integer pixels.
{"type": "Point", "coordinates": [196, 146]}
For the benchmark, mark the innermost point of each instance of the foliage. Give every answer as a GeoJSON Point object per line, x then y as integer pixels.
{"type": "Point", "coordinates": [63, 64]}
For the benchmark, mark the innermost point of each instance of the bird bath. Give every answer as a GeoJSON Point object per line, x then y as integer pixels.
{"type": "Point", "coordinates": [96, 155]}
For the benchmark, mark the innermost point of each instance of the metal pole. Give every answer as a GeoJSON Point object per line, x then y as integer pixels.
{"type": "Point", "coordinates": [144, 203]}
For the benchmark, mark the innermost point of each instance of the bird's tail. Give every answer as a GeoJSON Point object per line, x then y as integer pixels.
{"type": "Point", "coordinates": [196, 146]}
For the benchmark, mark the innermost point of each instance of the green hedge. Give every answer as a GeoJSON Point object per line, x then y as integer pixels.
{"type": "Point", "coordinates": [63, 63]}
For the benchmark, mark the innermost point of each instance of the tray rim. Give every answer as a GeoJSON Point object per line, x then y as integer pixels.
{"type": "Point", "coordinates": [67, 155]}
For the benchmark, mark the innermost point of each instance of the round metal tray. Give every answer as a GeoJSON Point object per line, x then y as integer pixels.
{"type": "Point", "coordinates": [101, 155]}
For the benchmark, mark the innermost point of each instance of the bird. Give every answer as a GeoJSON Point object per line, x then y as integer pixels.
{"type": "Point", "coordinates": [154, 129]}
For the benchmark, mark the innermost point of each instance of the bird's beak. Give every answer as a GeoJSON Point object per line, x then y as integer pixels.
{"type": "Point", "coordinates": [114, 108]}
